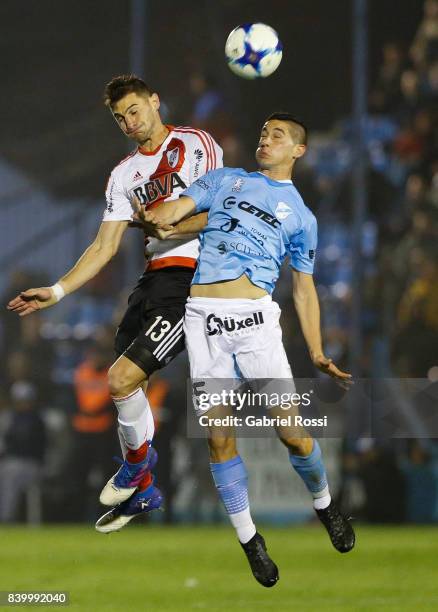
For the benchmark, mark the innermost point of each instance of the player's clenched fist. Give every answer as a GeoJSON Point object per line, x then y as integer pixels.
{"type": "Point", "coordinates": [31, 300]}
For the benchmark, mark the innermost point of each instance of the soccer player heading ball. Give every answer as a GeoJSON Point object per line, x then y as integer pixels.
{"type": "Point", "coordinates": [166, 160]}
{"type": "Point", "coordinates": [255, 219]}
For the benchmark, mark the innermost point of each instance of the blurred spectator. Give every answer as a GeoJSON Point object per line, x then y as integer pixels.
{"type": "Point", "coordinates": [12, 325]}
{"type": "Point", "coordinates": [398, 260]}
{"type": "Point", "coordinates": [416, 336]}
{"type": "Point", "coordinates": [414, 143]}
{"type": "Point", "coordinates": [211, 112]}
{"type": "Point", "coordinates": [24, 360]}
{"type": "Point", "coordinates": [413, 198]}
{"type": "Point", "coordinates": [424, 48]}
{"type": "Point", "coordinates": [383, 482]}
{"type": "Point", "coordinates": [409, 96]}
{"type": "Point", "coordinates": [432, 195]}
{"type": "Point", "coordinates": [386, 93]}
{"type": "Point", "coordinates": [210, 107]}
{"type": "Point", "coordinates": [34, 345]}
{"type": "Point", "coordinates": [24, 448]}
{"type": "Point", "coordinates": [167, 394]}
{"type": "Point", "coordinates": [94, 440]}
{"type": "Point", "coordinates": [431, 83]}
{"type": "Point", "coordinates": [420, 467]}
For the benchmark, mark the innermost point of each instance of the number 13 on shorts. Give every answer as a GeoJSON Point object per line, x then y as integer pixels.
{"type": "Point", "coordinates": [159, 333]}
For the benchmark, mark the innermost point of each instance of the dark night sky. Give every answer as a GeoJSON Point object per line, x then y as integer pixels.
{"type": "Point", "coordinates": [58, 54]}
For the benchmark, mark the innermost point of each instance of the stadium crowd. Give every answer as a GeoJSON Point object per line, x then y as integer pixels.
{"type": "Point", "coordinates": [57, 423]}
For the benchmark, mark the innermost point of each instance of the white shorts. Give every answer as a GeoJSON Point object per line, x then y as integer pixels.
{"type": "Point", "coordinates": [235, 339]}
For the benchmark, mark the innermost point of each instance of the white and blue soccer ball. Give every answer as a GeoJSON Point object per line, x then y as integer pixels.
{"type": "Point", "coordinates": [253, 50]}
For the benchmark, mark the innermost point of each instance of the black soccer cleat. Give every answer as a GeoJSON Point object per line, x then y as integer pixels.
{"type": "Point", "coordinates": [263, 568]}
{"type": "Point", "coordinates": [338, 527]}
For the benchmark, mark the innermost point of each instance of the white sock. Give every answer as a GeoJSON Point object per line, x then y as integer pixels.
{"type": "Point", "coordinates": [242, 523]}
{"type": "Point", "coordinates": [135, 419]}
{"type": "Point", "coordinates": [322, 499]}
{"type": "Point", "coordinates": [122, 442]}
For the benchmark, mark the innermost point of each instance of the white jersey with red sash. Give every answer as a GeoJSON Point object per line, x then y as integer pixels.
{"type": "Point", "coordinates": [160, 176]}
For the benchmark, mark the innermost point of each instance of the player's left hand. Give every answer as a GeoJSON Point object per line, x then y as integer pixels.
{"type": "Point", "coordinates": [326, 365]}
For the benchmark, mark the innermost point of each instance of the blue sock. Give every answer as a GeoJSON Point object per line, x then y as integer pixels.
{"type": "Point", "coordinates": [312, 471]}
{"type": "Point", "coordinates": [231, 481]}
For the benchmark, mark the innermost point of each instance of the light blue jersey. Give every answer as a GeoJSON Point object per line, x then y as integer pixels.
{"type": "Point", "coordinates": [253, 223]}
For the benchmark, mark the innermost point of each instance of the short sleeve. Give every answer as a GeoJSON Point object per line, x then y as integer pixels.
{"type": "Point", "coordinates": [205, 155]}
{"type": "Point", "coordinates": [302, 247]}
{"type": "Point", "coordinates": [204, 189]}
{"type": "Point", "coordinates": [118, 206]}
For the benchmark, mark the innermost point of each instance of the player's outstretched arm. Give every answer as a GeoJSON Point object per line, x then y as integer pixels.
{"type": "Point", "coordinates": [190, 226]}
{"type": "Point", "coordinates": [94, 258]}
{"type": "Point", "coordinates": [185, 228]}
{"type": "Point", "coordinates": [307, 307]}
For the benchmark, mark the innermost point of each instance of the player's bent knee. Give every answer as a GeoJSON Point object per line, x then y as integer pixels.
{"type": "Point", "coordinates": [299, 446]}
{"type": "Point", "coordinates": [121, 382]}
{"type": "Point", "coordinates": [221, 448]}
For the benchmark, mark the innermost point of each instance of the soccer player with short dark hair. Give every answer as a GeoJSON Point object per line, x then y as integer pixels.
{"type": "Point", "coordinates": [166, 160]}
{"type": "Point", "coordinates": [255, 219]}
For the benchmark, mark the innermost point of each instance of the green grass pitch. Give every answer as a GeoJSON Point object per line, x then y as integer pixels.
{"type": "Point", "coordinates": [162, 569]}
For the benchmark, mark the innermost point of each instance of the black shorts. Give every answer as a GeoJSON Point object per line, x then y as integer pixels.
{"type": "Point", "coordinates": [151, 331]}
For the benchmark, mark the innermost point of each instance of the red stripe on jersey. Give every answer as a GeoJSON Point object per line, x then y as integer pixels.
{"type": "Point", "coordinates": [205, 143]}
{"type": "Point", "coordinates": [213, 148]}
{"type": "Point", "coordinates": [173, 260]}
{"type": "Point", "coordinates": [208, 138]}
{"type": "Point", "coordinates": [209, 147]}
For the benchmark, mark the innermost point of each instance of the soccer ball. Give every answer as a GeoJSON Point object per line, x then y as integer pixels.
{"type": "Point", "coordinates": [253, 50]}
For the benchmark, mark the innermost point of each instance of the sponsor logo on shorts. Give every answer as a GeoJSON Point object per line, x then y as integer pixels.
{"type": "Point", "coordinates": [217, 325]}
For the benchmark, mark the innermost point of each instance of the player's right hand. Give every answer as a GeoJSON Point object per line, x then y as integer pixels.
{"type": "Point", "coordinates": [148, 219]}
{"type": "Point", "coordinates": [151, 229]}
{"type": "Point", "coordinates": [31, 300]}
